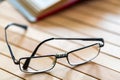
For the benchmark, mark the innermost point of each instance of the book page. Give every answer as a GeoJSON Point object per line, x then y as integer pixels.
{"type": "Point", "coordinates": [41, 5]}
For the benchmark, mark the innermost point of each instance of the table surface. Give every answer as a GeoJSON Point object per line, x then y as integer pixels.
{"type": "Point", "coordinates": [97, 18]}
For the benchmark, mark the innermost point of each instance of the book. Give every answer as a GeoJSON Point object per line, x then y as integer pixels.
{"type": "Point", "coordinates": [35, 10]}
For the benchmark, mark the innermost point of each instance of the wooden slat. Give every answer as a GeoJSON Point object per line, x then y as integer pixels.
{"type": "Point", "coordinates": [101, 56]}
{"type": "Point", "coordinates": [96, 12]}
{"type": "Point", "coordinates": [5, 75]}
{"type": "Point", "coordinates": [53, 72]}
{"type": "Point", "coordinates": [66, 24]}
{"type": "Point", "coordinates": [5, 61]}
{"type": "Point", "coordinates": [36, 34]}
{"type": "Point", "coordinates": [105, 49]}
{"type": "Point", "coordinates": [101, 67]}
{"type": "Point", "coordinates": [9, 14]}
{"type": "Point", "coordinates": [81, 28]}
{"type": "Point", "coordinates": [105, 6]}
{"type": "Point", "coordinates": [85, 28]}
{"type": "Point", "coordinates": [115, 2]}
{"type": "Point", "coordinates": [26, 44]}
{"type": "Point", "coordinates": [100, 22]}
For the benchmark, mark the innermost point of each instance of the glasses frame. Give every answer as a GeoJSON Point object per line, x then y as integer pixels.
{"type": "Point", "coordinates": [57, 56]}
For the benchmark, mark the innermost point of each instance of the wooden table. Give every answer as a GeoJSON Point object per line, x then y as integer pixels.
{"type": "Point", "coordinates": [100, 18]}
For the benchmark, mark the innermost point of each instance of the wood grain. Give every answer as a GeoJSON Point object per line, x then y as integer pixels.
{"type": "Point", "coordinates": [97, 18]}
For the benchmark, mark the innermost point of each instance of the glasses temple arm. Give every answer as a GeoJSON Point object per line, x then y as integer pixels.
{"type": "Point", "coordinates": [6, 38]}
{"type": "Point", "coordinates": [84, 39]}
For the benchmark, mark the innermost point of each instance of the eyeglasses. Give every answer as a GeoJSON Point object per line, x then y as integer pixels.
{"type": "Point", "coordinates": [34, 64]}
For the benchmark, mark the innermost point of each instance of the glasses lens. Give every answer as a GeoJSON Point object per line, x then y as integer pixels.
{"type": "Point", "coordinates": [83, 55]}
{"type": "Point", "coordinates": [39, 64]}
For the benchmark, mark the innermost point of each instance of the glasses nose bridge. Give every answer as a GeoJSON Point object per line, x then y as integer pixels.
{"type": "Point", "coordinates": [61, 55]}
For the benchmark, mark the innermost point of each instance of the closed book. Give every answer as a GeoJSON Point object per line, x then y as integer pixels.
{"type": "Point", "coordinates": [35, 10]}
